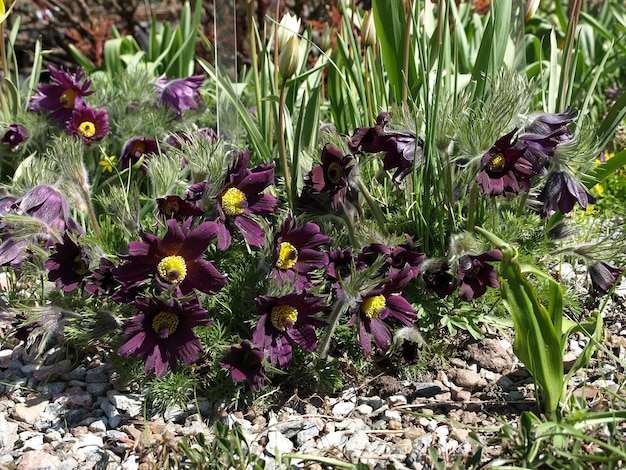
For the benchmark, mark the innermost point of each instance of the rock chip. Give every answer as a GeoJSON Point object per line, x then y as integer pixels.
{"type": "Point", "coordinates": [38, 460]}
{"type": "Point", "coordinates": [490, 354]}
{"type": "Point", "coordinates": [30, 410]}
{"type": "Point", "coordinates": [467, 379]}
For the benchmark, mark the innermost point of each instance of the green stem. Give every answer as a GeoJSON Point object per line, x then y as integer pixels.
{"type": "Point", "coordinates": [92, 213]}
{"type": "Point", "coordinates": [253, 56]}
{"type": "Point", "coordinates": [522, 205]}
{"type": "Point", "coordinates": [368, 91]}
{"type": "Point", "coordinates": [374, 207]}
{"type": "Point", "coordinates": [340, 307]}
{"type": "Point", "coordinates": [281, 141]}
{"type": "Point", "coordinates": [471, 216]}
{"type": "Point", "coordinates": [3, 59]}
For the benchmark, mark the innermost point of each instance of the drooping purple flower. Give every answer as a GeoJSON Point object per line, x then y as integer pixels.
{"type": "Point", "coordinates": [400, 261]}
{"type": "Point", "coordinates": [102, 281]}
{"type": "Point", "coordinates": [475, 274]}
{"type": "Point", "coordinates": [603, 277]}
{"type": "Point", "coordinates": [366, 139]}
{"type": "Point", "coordinates": [402, 151]}
{"type": "Point", "coordinates": [162, 333]}
{"type": "Point", "coordinates": [245, 362]}
{"type": "Point", "coordinates": [69, 266]}
{"type": "Point", "coordinates": [89, 124]}
{"type": "Point", "coordinates": [242, 198]}
{"type": "Point", "coordinates": [135, 148]}
{"type": "Point", "coordinates": [297, 254]}
{"type": "Point", "coordinates": [440, 280]}
{"type": "Point", "coordinates": [331, 177]}
{"type": "Point", "coordinates": [176, 207]}
{"type": "Point", "coordinates": [61, 95]}
{"type": "Point", "coordinates": [339, 267]}
{"type": "Point", "coordinates": [14, 136]}
{"type": "Point", "coordinates": [174, 260]}
{"type": "Point", "coordinates": [180, 94]}
{"type": "Point", "coordinates": [561, 191]}
{"type": "Point", "coordinates": [377, 311]}
{"type": "Point", "coordinates": [504, 169]}
{"type": "Point", "coordinates": [286, 321]}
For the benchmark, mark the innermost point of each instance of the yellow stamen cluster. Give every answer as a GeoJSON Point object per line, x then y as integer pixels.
{"type": "Point", "coordinates": [87, 129]}
{"type": "Point", "coordinates": [165, 321]}
{"type": "Point", "coordinates": [283, 314]}
{"type": "Point", "coordinates": [172, 269]}
{"type": "Point", "coordinates": [79, 266]}
{"type": "Point", "coordinates": [67, 99]}
{"type": "Point", "coordinates": [232, 201]}
{"type": "Point", "coordinates": [496, 163]}
{"type": "Point", "coordinates": [287, 256]}
{"type": "Point", "coordinates": [334, 172]}
{"type": "Point", "coordinates": [372, 306]}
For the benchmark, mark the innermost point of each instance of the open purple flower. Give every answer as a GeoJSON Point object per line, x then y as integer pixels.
{"type": "Point", "coordinates": [89, 124]}
{"type": "Point", "coordinates": [245, 362]}
{"type": "Point", "coordinates": [14, 136]}
{"type": "Point", "coordinates": [176, 207]}
{"type": "Point", "coordinates": [331, 177]}
{"type": "Point", "coordinates": [475, 274]}
{"type": "Point", "coordinates": [296, 253]}
{"type": "Point", "coordinates": [366, 139]}
{"type": "Point", "coordinates": [162, 333]}
{"type": "Point", "coordinates": [402, 151]}
{"type": "Point", "coordinates": [603, 277]}
{"type": "Point", "coordinates": [102, 281]}
{"type": "Point", "coordinates": [561, 191]}
{"type": "Point", "coordinates": [242, 198]}
{"type": "Point", "coordinates": [286, 321]}
{"type": "Point", "coordinates": [175, 260]}
{"type": "Point", "coordinates": [69, 266]}
{"type": "Point", "coordinates": [376, 312]}
{"type": "Point", "coordinates": [61, 95]}
{"type": "Point", "coordinates": [440, 280]}
{"type": "Point", "coordinates": [180, 94]}
{"type": "Point", "coordinates": [504, 169]}
{"type": "Point", "coordinates": [135, 148]}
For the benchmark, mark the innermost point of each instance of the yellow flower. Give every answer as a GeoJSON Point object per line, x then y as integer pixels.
{"type": "Point", "coordinates": [599, 189]}
{"type": "Point", "coordinates": [107, 163]}
{"type": "Point", "coordinates": [4, 13]}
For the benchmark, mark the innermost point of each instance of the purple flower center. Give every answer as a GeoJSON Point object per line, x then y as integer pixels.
{"type": "Point", "coordinates": [334, 172]}
{"type": "Point", "coordinates": [373, 306]}
{"type": "Point", "coordinates": [287, 256]}
{"type": "Point", "coordinates": [283, 316]}
{"type": "Point", "coordinates": [232, 202]}
{"type": "Point", "coordinates": [172, 269]}
{"type": "Point", "coordinates": [165, 323]}
{"type": "Point", "coordinates": [87, 129]}
{"type": "Point", "coordinates": [496, 164]}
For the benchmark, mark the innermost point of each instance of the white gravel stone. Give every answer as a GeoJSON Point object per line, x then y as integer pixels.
{"type": "Point", "coordinates": [343, 408]}
{"type": "Point", "coordinates": [364, 409]}
{"type": "Point", "coordinates": [332, 439]}
{"type": "Point", "coordinates": [278, 444]}
{"type": "Point", "coordinates": [356, 443]}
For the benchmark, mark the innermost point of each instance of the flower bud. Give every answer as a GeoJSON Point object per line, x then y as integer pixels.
{"type": "Point", "coordinates": [368, 30]}
{"type": "Point", "coordinates": [289, 26]}
{"type": "Point", "coordinates": [326, 40]}
{"type": "Point", "coordinates": [288, 60]}
{"type": "Point", "coordinates": [531, 8]}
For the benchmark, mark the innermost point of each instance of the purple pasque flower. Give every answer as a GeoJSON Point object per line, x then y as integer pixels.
{"type": "Point", "coordinates": [400, 261]}
{"type": "Point", "coordinates": [340, 264]}
{"type": "Point", "coordinates": [561, 191]}
{"type": "Point", "coordinates": [297, 254]}
{"type": "Point", "coordinates": [365, 139]}
{"type": "Point", "coordinates": [14, 136]}
{"type": "Point", "coordinates": [162, 333]}
{"type": "Point", "coordinates": [475, 274]}
{"type": "Point", "coordinates": [331, 177]}
{"type": "Point", "coordinates": [69, 266]}
{"type": "Point", "coordinates": [89, 124]}
{"type": "Point", "coordinates": [286, 321]}
{"type": "Point", "coordinates": [102, 281]}
{"type": "Point", "coordinates": [180, 94]}
{"type": "Point", "coordinates": [504, 168]}
{"type": "Point", "coordinates": [175, 260]}
{"type": "Point", "coordinates": [245, 362]}
{"type": "Point", "coordinates": [402, 149]}
{"type": "Point", "coordinates": [376, 312]}
{"type": "Point", "coordinates": [242, 199]}
{"type": "Point", "coordinates": [176, 207]}
{"type": "Point", "coordinates": [135, 148]}
{"type": "Point", "coordinates": [603, 277]}
{"type": "Point", "coordinates": [439, 280]}
{"type": "Point", "coordinates": [61, 95]}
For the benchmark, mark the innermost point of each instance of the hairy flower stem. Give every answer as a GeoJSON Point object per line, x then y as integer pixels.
{"type": "Point", "coordinates": [281, 142]}
{"type": "Point", "coordinates": [374, 207]}
{"type": "Point", "coordinates": [253, 55]}
{"type": "Point", "coordinates": [368, 91]}
{"type": "Point", "coordinates": [471, 216]}
{"type": "Point", "coordinates": [341, 306]}
{"type": "Point", "coordinates": [92, 213]}
{"type": "Point", "coordinates": [5, 70]}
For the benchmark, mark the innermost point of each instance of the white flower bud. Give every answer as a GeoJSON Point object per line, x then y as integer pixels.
{"type": "Point", "coordinates": [289, 26]}
{"type": "Point", "coordinates": [368, 30]}
{"type": "Point", "coordinates": [288, 60]}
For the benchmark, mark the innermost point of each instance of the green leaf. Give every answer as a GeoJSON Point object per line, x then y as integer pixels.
{"type": "Point", "coordinates": [604, 170]}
